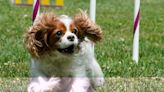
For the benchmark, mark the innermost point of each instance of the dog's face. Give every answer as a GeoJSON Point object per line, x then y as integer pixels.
{"type": "Point", "coordinates": [68, 35]}
{"type": "Point", "coordinates": [63, 34]}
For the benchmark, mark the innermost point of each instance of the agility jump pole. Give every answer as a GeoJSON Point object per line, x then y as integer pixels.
{"type": "Point", "coordinates": [135, 56]}
{"type": "Point", "coordinates": [36, 9]}
{"type": "Point", "coordinates": [93, 10]}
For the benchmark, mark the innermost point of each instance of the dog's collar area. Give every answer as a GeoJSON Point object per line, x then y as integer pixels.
{"type": "Point", "coordinates": [68, 50]}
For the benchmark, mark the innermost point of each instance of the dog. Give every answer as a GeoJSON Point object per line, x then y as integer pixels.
{"type": "Point", "coordinates": [62, 53]}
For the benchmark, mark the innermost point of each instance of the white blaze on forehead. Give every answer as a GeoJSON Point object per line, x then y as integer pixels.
{"type": "Point", "coordinates": [66, 20]}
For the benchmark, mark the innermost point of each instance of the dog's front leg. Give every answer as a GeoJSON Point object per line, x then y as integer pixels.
{"type": "Point", "coordinates": [42, 84]}
{"type": "Point", "coordinates": [35, 84]}
{"type": "Point", "coordinates": [80, 85]}
{"type": "Point", "coordinates": [97, 77]}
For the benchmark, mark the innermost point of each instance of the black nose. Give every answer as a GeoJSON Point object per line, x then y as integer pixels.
{"type": "Point", "coordinates": [71, 38]}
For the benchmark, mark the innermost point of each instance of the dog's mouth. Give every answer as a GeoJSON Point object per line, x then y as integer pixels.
{"type": "Point", "coordinates": [68, 50]}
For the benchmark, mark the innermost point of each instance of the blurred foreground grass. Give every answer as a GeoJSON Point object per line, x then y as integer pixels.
{"type": "Point", "coordinates": [143, 84]}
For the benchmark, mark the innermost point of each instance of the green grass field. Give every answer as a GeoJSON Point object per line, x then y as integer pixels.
{"type": "Point", "coordinates": [114, 52]}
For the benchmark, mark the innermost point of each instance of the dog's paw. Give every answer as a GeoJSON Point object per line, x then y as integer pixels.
{"type": "Point", "coordinates": [98, 81]}
{"type": "Point", "coordinates": [34, 87]}
{"type": "Point", "coordinates": [54, 81]}
{"type": "Point", "coordinates": [78, 89]}
{"type": "Point", "coordinates": [80, 85]}
{"type": "Point", "coordinates": [47, 89]}
{"type": "Point", "coordinates": [51, 85]}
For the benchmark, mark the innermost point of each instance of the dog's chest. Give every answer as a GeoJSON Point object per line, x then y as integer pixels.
{"type": "Point", "coordinates": [57, 67]}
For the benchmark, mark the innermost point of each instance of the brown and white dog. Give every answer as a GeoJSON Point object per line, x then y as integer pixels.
{"type": "Point", "coordinates": [62, 51]}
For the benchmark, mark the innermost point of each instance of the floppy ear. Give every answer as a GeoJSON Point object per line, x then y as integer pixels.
{"type": "Point", "coordinates": [31, 43]}
{"type": "Point", "coordinates": [87, 27]}
{"type": "Point", "coordinates": [36, 37]}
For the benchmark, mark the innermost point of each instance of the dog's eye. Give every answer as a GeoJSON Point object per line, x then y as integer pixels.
{"type": "Point", "coordinates": [75, 31]}
{"type": "Point", "coordinates": [59, 33]}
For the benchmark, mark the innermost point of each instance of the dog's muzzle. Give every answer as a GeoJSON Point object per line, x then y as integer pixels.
{"type": "Point", "coordinates": [68, 50]}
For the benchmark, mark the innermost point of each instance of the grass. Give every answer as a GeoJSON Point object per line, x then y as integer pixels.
{"type": "Point", "coordinates": [112, 85]}
{"type": "Point", "coordinates": [113, 53]}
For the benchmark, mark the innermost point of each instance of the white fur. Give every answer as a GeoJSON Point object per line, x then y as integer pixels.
{"type": "Point", "coordinates": [64, 42]}
{"type": "Point", "coordinates": [66, 73]}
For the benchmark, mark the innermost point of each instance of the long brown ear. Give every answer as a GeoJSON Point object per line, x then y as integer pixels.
{"type": "Point", "coordinates": [36, 36]}
{"type": "Point", "coordinates": [87, 26]}
{"type": "Point", "coordinates": [31, 43]}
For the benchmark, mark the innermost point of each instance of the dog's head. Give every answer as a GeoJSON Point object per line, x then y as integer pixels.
{"type": "Point", "coordinates": [60, 33]}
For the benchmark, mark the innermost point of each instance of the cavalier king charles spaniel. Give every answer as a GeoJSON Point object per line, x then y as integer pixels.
{"type": "Point", "coordinates": [62, 52]}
